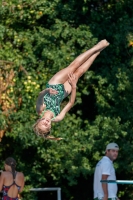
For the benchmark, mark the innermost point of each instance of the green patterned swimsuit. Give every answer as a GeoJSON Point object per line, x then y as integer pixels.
{"type": "Point", "coordinates": [53, 102]}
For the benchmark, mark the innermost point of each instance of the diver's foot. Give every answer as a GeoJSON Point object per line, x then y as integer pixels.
{"type": "Point", "coordinates": [102, 44]}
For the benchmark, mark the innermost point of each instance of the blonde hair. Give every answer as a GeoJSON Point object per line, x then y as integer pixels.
{"type": "Point", "coordinates": [43, 133]}
{"type": "Point", "coordinates": [39, 131]}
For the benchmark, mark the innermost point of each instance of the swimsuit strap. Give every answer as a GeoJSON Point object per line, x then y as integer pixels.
{"type": "Point", "coordinates": [45, 110]}
{"type": "Point", "coordinates": [53, 118]}
{"type": "Point", "coordinates": [41, 115]}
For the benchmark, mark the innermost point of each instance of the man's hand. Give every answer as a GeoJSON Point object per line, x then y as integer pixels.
{"type": "Point", "coordinates": [105, 198]}
{"type": "Point", "coordinates": [52, 91]}
{"type": "Point", "coordinates": [72, 80]}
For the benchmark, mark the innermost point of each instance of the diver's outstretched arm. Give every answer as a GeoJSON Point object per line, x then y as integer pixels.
{"type": "Point", "coordinates": [73, 81]}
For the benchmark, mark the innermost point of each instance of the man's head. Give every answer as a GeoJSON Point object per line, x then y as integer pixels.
{"type": "Point", "coordinates": [112, 151]}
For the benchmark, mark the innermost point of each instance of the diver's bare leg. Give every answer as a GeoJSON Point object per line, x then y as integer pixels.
{"type": "Point", "coordinates": [62, 75]}
{"type": "Point", "coordinates": [80, 71]}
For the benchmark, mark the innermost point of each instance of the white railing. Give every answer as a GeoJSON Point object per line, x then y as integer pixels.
{"type": "Point", "coordinates": [49, 189]}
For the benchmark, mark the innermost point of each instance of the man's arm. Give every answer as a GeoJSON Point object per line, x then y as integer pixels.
{"type": "Point", "coordinates": [105, 187]}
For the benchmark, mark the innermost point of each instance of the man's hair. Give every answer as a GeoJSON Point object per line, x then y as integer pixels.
{"type": "Point", "coordinates": [12, 163]}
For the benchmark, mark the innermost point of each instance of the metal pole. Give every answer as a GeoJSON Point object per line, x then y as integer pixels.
{"type": "Point", "coordinates": [117, 181]}
{"type": "Point", "coordinates": [59, 194]}
{"type": "Point", "coordinates": [49, 189]}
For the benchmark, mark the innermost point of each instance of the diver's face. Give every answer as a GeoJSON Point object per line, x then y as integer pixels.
{"type": "Point", "coordinates": [44, 124]}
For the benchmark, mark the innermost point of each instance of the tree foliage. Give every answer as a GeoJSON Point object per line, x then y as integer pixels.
{"type": "Point", "coordinates": [37, 39]}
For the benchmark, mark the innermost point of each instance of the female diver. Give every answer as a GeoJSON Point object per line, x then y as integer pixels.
{"type": "Point", "coordinates": [62, 84]}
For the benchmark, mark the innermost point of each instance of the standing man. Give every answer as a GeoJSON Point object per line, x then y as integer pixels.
{"type": "Point", "coordinates": [105, 171]}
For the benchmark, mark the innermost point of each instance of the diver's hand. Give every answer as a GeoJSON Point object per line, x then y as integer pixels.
{"type": "Point", "coordinates": [72, 80]}
{"type": "Point", "coordinates": [52, 91]}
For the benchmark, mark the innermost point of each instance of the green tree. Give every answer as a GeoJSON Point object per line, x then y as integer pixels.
{"type": "Point", "coordinates": [36, 40]}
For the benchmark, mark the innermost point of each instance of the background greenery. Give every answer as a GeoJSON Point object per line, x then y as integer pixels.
{"type": "Point", "coordinates": [38, 38]}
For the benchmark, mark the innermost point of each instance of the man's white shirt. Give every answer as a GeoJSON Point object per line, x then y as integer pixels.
{"type": "Point", "coordinates": [104, 167]}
